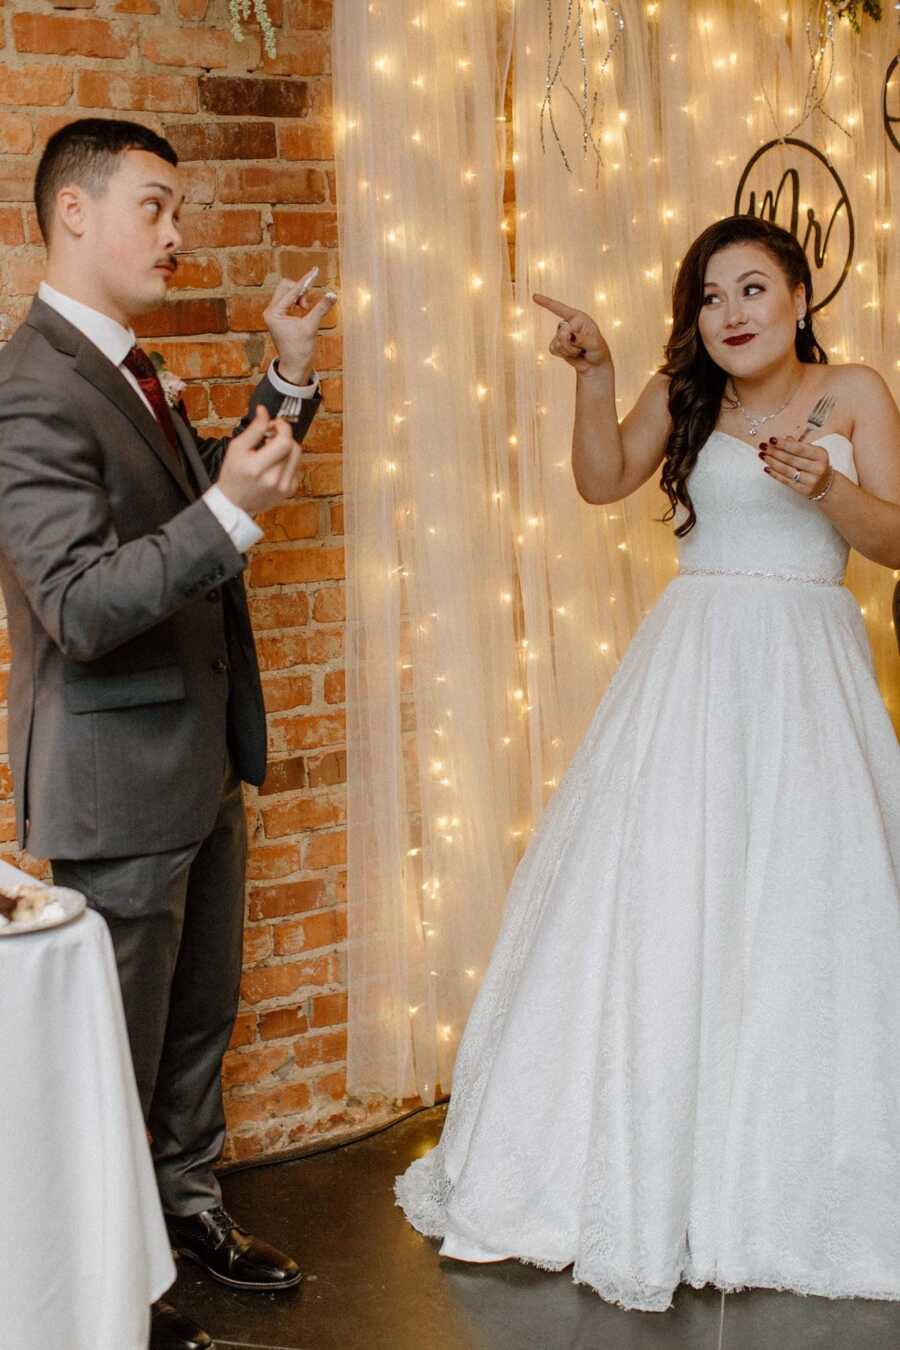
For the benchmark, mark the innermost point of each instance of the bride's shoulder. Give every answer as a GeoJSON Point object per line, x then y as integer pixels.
{"type": "Point", "coordinates": [854, 381]}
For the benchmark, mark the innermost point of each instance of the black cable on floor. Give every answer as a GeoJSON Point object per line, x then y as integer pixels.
{"type": "Point", "coordinates": [313, 1150]}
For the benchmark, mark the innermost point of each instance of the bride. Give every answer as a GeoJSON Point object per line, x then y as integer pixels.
{"type": "Point", "coordinates": [684, 1061]}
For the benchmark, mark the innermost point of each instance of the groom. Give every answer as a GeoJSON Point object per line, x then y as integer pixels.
{"type": "Point", "coordinates": [135, 701]}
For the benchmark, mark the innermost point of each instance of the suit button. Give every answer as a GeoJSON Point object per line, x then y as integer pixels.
{"type": "Point", "coordinates": [219, 666]}
{"type": "Point", "coordinates": [212, 596]}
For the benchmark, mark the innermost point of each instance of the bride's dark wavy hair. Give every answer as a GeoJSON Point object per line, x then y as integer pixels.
{"type": "Point", "coordinates": [696, 383]}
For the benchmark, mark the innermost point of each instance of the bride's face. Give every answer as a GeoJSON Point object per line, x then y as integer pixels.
{"type": "Point", "coordinates": [748, 316]}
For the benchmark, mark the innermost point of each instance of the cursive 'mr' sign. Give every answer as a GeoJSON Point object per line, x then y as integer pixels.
{"type": "Point", "coordinates": [792, 184]}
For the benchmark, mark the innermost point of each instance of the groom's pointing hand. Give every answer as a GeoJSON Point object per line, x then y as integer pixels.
{"type": "Point", "coordinates": [295, 334]}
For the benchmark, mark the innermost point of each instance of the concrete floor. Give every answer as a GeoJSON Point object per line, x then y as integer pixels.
{"type": "Point", "coordinates": [375, 1284]}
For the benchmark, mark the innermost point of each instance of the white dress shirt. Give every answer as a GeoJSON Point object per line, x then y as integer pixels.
{"type": "Point", "coordinates": [115, 342]}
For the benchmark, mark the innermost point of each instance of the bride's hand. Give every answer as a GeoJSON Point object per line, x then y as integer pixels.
{"type": "Point", "coordinates": [577, 340]}
{"type": "Point", "coordinates": [799, 465]}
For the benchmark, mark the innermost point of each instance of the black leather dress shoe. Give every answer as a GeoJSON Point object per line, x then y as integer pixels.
{"type": "Point", "coordinates": [171, 1330]}
{"type": "Point", "coordinates": [229, 1253]}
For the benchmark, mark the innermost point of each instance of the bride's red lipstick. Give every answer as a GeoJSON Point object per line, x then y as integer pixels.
{"type": "Point", "coordinates": [739, 341]}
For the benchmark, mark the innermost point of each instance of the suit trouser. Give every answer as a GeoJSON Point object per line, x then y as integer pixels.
{"type": "Point", "coordinates": [176, 921]}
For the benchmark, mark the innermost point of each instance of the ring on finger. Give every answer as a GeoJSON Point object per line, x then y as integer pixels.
{"type": "Point", "coordinates": [796, 476]}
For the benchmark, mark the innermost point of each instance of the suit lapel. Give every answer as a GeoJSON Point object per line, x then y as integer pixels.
{"type": "Point", "coordinates": [93, 366]}
{"type": "Point", "coordinates": [189, 450]}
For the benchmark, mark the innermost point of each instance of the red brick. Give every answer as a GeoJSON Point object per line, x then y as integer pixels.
{"type": "Point", "coordinates": [24, 272]}
{"type": "Point", "coordinates": [295, 263]}
{"type": "Point", "coordinates": [258, 945]}
{"type": "Point", "coordinates": [220, 229]}
{"type": "Point", "coordinates": [204, 47]}
{"type": "Point", "coordinates": [335, 686]}
{"type": "Point", "coordinates": [254, 1065]}
{"type": "Point", "coordinates": [289, 897]}
{"type": "Point", "coordinates": [201, 360]}
{"type": "Point", "coordinates": [222, 140]}
{"type": "Point", "coordinates": [294, 815]}
{"type": "Point", "coordinates": [257, 986]}
{"type": "Point", "coordinates": [55, 35]}
{"type": "Point", "coordinates": [290, 609]}
{"type": "Point", "coordinates": [324, 480]}
{"type": "Point", "coordinates": [245, 313]}
{"type": "Point", "coordinates": [330, 351]}
{"type": "Point", "coordinates": [306, 732]}
{"type": "Point", "coordinates": [307, 229]}
{"type": "Point", "coordinates": [266, 862]}
{"type": "Point", "coordinates": [325, 436]}
{"type": "Point", "coordinates": [197, 274]}
{"type": "Point", "coordinates": [137, 7]}
{"type": "Point", "coordinates": [284, 775]}
{"type": "Point", "coordinates": [259, 1106]}
{"type": "Point", "coordinates": [277, 567]}
{"type": "Point", "coordinates": [336, 521]}
{"type": "Point", "coordinates": [16, 134]}
{"type": "Point", "coordinates": [332, 1086]}
{"type": "Point", "coordinates": [280, 651]}
{"type": "Point", "coordinates": [230, 96]}
{"type": "Point", "coordinates": [244, 1032]}
{"type": "Point", "coordinates": [196, 400]}
{"type": "Point", "coordinates": [326, 644]}
{"type": "Point", "coordinates": [307, 141]}
{"type": "Point", "coordinates": [294, 520]}
{"type": "Point", "coordinates": [329, 605]}
{"type": "Point", "coordinates": [251, 269]}
{"type": "Point", "coordinates": [313, 1050]}
{"type": "Point", "coordinates": [11, 227]}
{"type": "Point", "coordinates": [281, 692]}
{"type": "Point", "coordinates": [268, 183]}
{"type": "Point", "coordinates": [16, 180]}
{"type": "Point", "coordinates": [328, 1010]}
{"type": "Point", "coordinates": [35, 86]}
{"type": "Point", "coordinates": [6, 782]}
{"type": "Point", "coordinates": [328, 769]}
{"type": "Point", "coordinates": [325, 850]}
{"type": "Point", "coordinates": [230, 400]}
{"type": "Point", "coordinates": [183, 318]}
{"type": "Point", "coordinates": [300, 54]}
{"type": "Point", "coordinates": [333, 394]}
{"type": "Point", "coordinates": [153, 93]}
{"type": "Point", "coordinates": [7, 822]}
{"type": "Point", "coordinates": [282, 1022]}
{"type": "Point", "coordinates": [199, 183]}
{"type": "Point", "coordinates": [193, 9]}
{"type": "Point", "coordinates": [73, 4]}
{"type": "Point", "coordinates": [326, 928]}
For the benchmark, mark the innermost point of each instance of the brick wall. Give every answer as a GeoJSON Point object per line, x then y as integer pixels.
{"type": "Point", "coordinates": [254, 137]}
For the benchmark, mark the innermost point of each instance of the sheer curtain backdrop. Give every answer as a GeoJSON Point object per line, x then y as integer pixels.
{"type": "Point", "coordinates": [487, 604]}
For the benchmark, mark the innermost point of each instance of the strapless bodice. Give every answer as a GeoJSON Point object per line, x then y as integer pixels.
{"type": "Point", "coordinates": [749, 522]}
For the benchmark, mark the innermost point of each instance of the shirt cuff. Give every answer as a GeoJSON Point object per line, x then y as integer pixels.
{"type": "Point", "coordinates": [295, 395]}
{"type": "Point", "coordinates": [241, 529]}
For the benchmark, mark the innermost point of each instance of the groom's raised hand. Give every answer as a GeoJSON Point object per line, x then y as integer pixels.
{"type": "Point", "coordinates": [294, 334]}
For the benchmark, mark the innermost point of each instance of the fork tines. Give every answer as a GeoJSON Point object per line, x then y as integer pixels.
{"type": "Point", "coordinates": [820, 413]}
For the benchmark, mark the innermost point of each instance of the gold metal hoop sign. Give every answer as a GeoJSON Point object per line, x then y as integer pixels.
{"type": "Point", "coordinates": [804, 195]}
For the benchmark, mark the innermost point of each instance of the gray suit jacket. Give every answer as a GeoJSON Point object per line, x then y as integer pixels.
{"type": "Point", "coordinates": [133, 662]}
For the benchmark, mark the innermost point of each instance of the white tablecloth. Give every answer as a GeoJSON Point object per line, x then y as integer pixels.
{"type": "Point", "coordinates": [83, 1246]}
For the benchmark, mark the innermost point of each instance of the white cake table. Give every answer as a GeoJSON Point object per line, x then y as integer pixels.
{"type": "Point", "coordinates": [83, 1245]}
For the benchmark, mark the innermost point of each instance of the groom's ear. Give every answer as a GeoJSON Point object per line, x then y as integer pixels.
{"type": "Point", "coordinates": [71, 214]}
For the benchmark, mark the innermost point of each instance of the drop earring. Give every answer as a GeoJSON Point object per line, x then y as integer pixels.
{"type": "Point", "coordinates": [801, 323]}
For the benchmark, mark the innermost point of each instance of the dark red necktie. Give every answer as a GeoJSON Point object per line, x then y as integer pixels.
{"type": "Point", "coordinates": [144, 371]}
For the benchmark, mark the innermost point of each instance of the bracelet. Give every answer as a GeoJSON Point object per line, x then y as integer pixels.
{"type": "Point", "coordinates": [819, 495]}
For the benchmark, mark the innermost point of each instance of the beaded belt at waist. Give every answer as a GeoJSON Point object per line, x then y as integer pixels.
{"type": "Point", "coordinates": [750, 572]}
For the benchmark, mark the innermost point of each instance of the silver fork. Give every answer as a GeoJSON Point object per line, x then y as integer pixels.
{"type": "Point", "coordinates": [820, 414]}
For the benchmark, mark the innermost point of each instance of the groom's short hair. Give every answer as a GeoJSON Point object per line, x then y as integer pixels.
{"type": "Point", "coordinates": [85, 152]}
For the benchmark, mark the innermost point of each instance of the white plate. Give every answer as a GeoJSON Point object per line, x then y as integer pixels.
{"type": "Point", "coordinates": [73, 903]}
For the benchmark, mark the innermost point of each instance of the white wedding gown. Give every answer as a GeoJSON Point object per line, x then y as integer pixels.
{"type": "Point", "coordinates": [684, 1061]}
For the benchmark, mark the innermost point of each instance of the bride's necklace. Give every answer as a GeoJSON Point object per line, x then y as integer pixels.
{"type": "Point", "coordinates": [754, 423]}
